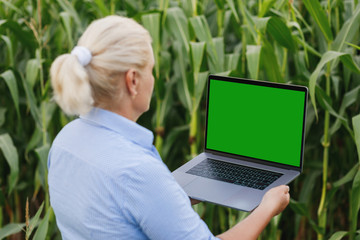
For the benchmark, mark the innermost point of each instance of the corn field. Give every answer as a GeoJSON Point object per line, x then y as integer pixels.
{"type": "Point", "coordinates": [305, 42]}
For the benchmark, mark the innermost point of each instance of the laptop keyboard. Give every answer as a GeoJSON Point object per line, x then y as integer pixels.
{"type": "Point", "coordinates": [233, 173]}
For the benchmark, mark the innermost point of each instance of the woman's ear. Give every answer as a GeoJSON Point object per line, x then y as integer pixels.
{"type": "Point", "coordinates": [132, 82]}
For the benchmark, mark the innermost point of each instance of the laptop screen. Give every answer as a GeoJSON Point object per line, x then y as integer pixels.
{"type": "Point", "coordinates": [256, 119]}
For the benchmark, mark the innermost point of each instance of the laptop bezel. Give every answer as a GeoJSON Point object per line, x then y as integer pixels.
{"type": "Point", "coordinates": [258, 83]}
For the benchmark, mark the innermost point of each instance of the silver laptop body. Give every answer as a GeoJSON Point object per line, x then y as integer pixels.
{"type": "Point", "coordinates": [235, 193]}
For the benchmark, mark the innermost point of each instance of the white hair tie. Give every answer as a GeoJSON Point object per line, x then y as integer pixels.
{"type": "Point", "coordinates": [83, 54]}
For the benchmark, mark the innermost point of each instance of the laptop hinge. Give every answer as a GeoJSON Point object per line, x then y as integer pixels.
{"type": "Point", "coordinates": [253, 160]}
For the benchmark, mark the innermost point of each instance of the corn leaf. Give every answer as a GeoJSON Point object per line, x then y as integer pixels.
{"type": "Point", "coordinates": [42, 230]}
{"type": "Point", "coordinates": [165, 66]}
{"type": "Point", "coordinates": [202, 32]}
{"type": "Point", "coordinates": [233, 10]}
{"type": "Point", "coordinates": [177, 26]}
{"type": "Point", "coordinates": [42, 154]}
{"type": "Point", "coordinates": [231, 61]}
{"type": "Point", "coordinates": [348, 31]}
{"type": "Point", "coordinates": [11, 229]}
{"type": "Point", "coordinates": [199, 88]}
{"type": "Point", "coordinates": [2, 116]}
{"type": "Point", "coordinates": [356, 126]}
{"type": "Point", "coordinates": [253, 53]}
{"type": "Point", "coordinates": [225, 73]}
{"type": "Point", "coordinates": [265, 7]}
{"type": "Point", "coordinates": [12, 7]}
{"type": "Point", "coordinates": [10, 52]}
{"type": "Point", "coordinates": [35, 139]}
{"type": "Point", "coordinates": [182, 83]}
{"type": "Point", "coordinates": [307, 46]}
{"type": "Point", "coordinates": [271, 66]}
{"type": "Point", "coordinates": [302, 209]}
{"type": "Point", "coordinates": [32, 72]}
{"type": "Point", "coordinates": [220, 4]}
{"type": "Point", "coordinates": [102, 8]}
{"type": "Point", "coordinates": [34, 110]}
{"type": "Point", "coordinates": [261, 23]}
{"type": "Point", "coordinates": [296, 25]}
{"type": "Point", "coordinates": [338, 235]}
{"type": "Point", "coordinates": [307, 191]}
{"type": "Point", "coordinates": [220, 53]}
{"type": "Point", "coordinates": [171, 139]}
{"type": "Point", "coordinates": [35, 220]}
{"type": "Point", "coordinates": [349, 62]}
{"type": "Point", "coordinates": [166, 103]}
{"type": "Point", "coordinates": [348, 99]}
{"type": "Point", "coordinates": [67, 7]}
{"type": "Point", "coordinates": [10, 81]}
{"type": "Point", "coordinates": [353, 45]}
{"type": "Point", "coordinates": [67, 23]}
{"type": "Point", "coordinates": [281, 33]}
{"type": "Point", "coordinates": [184, 94]}
{"type": "Point", "coordinates": [163, 4]}
{"type": "Point", "coordinates": [277, 29]}
{"type": "Point", "coordinates": [348, 176]}
{"type": "Point", "coordinates": [248, 20]}
{"type": "Point", "coordinates": [197, 54]}
{"type": "Point", "coordinates": [327, 57]}
{"type": "Point", "coordinates": [355, 191]}
{"type": "Point", "coordinates": [355, 199]}
{"type": "Point", "coordinates": [24, 36]}
{"type": "Point", "coordinates": [310, 119]}
{"type": "Point", "coordinates": [326, 103]}
{"type": "Point", "coordinates": [318, 14]}
{"type": "Point", "coordinates": [152, 23]}
{"type": "Point", "coordinates": [49, 109]}
{"type": "Point", "coordinates": [11, 155]}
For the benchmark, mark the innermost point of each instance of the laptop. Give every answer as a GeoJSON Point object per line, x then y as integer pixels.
{"type": "Point", "coordinates": [254, 141]}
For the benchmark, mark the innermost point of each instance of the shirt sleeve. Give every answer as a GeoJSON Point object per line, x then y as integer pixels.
{"type": "Point", "coordinates": [157, 204]}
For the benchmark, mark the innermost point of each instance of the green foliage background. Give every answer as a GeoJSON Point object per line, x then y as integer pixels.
{"type": "Point", "coordinates": [309, 42]}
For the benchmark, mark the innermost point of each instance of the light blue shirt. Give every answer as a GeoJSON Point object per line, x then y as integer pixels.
{"type": "Point", "coordinates": [107, 181]}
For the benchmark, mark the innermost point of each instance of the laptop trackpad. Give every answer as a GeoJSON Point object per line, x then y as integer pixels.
{"type": "Point", "coordinates": [209, 190]}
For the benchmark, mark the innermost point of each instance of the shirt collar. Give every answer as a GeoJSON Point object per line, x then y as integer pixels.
{"type": "Point", "coordinates": [129, 129]}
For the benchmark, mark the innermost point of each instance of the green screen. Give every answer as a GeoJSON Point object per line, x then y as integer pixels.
{"type": "Point", "coordinates": [255, 121]}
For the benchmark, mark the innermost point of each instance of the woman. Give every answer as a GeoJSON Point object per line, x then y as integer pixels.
{"type": "Point", "coordinates": [106, 179]}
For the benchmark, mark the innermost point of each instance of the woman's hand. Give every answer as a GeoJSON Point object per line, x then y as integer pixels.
{"type": "Point", "coordinates": [276, 199]}
{"type": "Point", "coordinates": [273, 202]}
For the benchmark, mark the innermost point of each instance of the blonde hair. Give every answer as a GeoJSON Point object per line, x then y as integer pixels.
{"type": "Point", "coordinates": [116, 45]}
